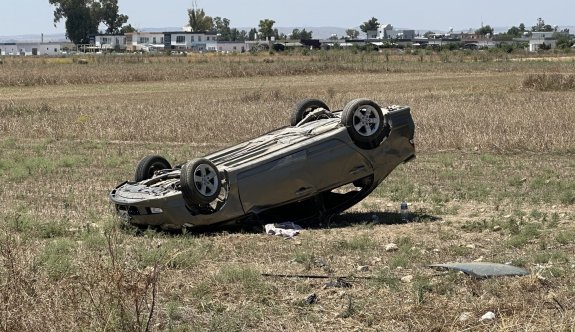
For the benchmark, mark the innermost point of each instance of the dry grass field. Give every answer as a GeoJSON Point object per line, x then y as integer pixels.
{"type": "Point", "coordinates": [494, 181]}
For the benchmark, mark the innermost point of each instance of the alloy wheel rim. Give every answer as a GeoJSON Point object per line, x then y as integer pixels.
{"type": "Point", "coordinates": [205, 180]}
{"type": "Point", "coordinates": [366, 120]}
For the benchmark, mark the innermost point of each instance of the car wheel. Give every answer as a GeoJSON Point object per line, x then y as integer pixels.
{"type": "Point", "coordinates": [365, 122]}
{"type": "Point", "coordinates": [304, 107]}
{"type": "Point", "coordinates": [148, 166]}
{"type": "Point", "coordinates": [200, 181]}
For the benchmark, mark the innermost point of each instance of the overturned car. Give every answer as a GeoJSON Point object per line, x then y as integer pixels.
{"type": "Point", "coordinates": [320, 165]}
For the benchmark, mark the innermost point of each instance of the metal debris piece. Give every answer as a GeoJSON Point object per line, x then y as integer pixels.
{"type": "Point", "coordinates": [483, 269]}
{"type": "Point", "coordinates": [311, 299]}
{"type": "Point", "coordinates": [338, 283]}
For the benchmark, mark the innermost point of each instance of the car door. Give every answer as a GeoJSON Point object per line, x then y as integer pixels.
{"type": "Point", "coordinates": [333, 163]}
{"type": "Point", "coordinates": [281, 180]}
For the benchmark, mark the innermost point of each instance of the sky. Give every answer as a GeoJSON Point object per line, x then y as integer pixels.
{"type": "Point", "coordinates": [24, 17]}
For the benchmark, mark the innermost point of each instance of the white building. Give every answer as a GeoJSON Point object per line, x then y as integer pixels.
{"type": "Point", "coordinates": [34, 48]}
{"type": "Point", "coordinates": [110, 42]}
{"type": "Point", "coordinates": [144, 41]}
{"type": "Point", "coordinates": [233, 47]}
{"type": "Point", "coordinates": [386, 31]}
{"type": "Point", "coordinates": [547, 38]}
{"type": "Point", "coordinates": [536, 44]}
{"type": "Point", "coordinates": [193, 41]}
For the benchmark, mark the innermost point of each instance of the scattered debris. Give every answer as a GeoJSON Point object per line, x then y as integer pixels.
{"type": "Point", "coordinates": [348, 309]}
{"type": "Point", "coordinates": [286, 229]}
{"type": "Point", "coordinates": [407, 279]}
{"type": "Point", "coordinates": [338, 283]}
{"type": "Point", "coordinates": [311, 299]}
{"type": "Point", "coordinates": [483, 269]}
{"type": "Point", "coordinates": [490, 315]}
{"type": "Point", "coordinates": [496, 228]}
{"type": "Point", "coordinates": [319, 262]}
{"type": "Point", "coordinates": [391, 247]}
{"type": "Point", "coordinates": [312, 276]}
{"type": "Point", "coordinates": [363, 268]}
{"type": "Point", "coordinates": [541, 278]}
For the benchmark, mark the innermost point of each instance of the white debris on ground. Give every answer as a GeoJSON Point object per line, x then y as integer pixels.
{"type": "Point", "coordinates": [391, 247]}
{"type": "Point", "coordinates": [490, 315]}
{"type": "Point", "coordinates": [407, 279]}
{"type": "Point", "coordinates": [286, 229]}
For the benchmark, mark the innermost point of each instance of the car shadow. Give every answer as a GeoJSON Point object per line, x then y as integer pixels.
{"type": "Point", "coordinates": [348, 219]}
{"type": "Point", "coordinates": [342, 220]}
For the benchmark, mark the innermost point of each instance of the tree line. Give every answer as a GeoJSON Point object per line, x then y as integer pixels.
{"type": "Point", "coordinates": [84, 17]}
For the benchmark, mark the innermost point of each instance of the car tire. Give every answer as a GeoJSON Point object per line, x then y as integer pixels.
{"type": "Point", "coordinates": [303, 108]}
{"type": "Point", "coordinates": [148, 166]}
{"type": "Point", "coordinates": [365, 123]}
{"type": "Point", "coordinates": [200, 182]}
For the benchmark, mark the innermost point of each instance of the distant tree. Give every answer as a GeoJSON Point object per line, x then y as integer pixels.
{"type": "Point", "coordinates": [428, 34]}
{"type": "Point", "coordinates": [252, 35]}
{"type": "Point", "coordinates": [542, 27]}
{"type": "Point", "coordinates": [514, 32]}
{"type": "Point", "coordinates": [563, 40]}
{"type": "Point", "coordinates": [108, 14]}
{"type": "Point", "coordinates": [333, 37]}
{"type": "Point", "coordinates": [295, 34]}
{"type": "Point", "coordinates": [82, 18]}
{"type": "Point", "coordinates": [369, 25]}
{"type": "Point", "coordinates": [222, 27]}
{"type": "Point", "coordinates": [522, 27]}
{"type": "Point", "coordinates": [266, 29]}
{"type": "Point", "coordinates": [236, 35]}
{"type": "Point", "coordinates": [298, 34]}
{"type": "Point", "coordinates": [503, 37]}
{"type": "Point", "coordinates": [127, 28]}
{"type": "Point", "coordinates": [352, 33]}
{"type": "Point", "coordinates": [281, 36]}
{"type": "Point", "coordinates": [485, 30]}
{"type": "Point", "coordinates": [198, 19]}
{"type": "Point", "coordinates": [306, 34]}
